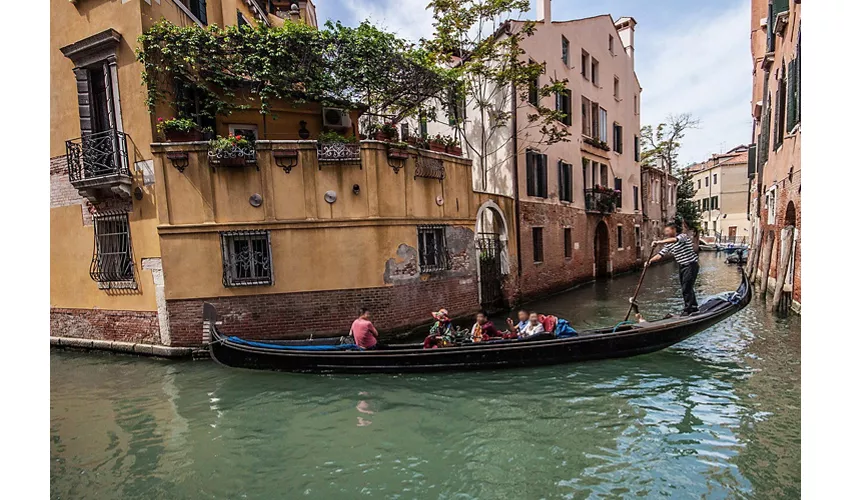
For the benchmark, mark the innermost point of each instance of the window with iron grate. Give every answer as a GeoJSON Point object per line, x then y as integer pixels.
{"type": "Point", "coordinates": [537, 243]}
{"type": "Point", "coordinates": [246, 258]}
{"type": "Point", "coordinates": [112, 262]}
{"type": "Point", "coordinates": [432, 248]}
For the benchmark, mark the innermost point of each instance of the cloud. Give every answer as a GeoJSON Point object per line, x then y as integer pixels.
{"type": "Point", "coordinates": [409, 19]}
{"type": "Point", "coordinates": [702, 66]}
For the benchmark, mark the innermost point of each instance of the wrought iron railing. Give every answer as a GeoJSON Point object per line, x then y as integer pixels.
{"type": "Point", "coordinates": [96, 155]}
{"type": "Point", "coordinates": [338, 151]}
{"type": "Point", "coordinates": [430, 168]}
{"type": "Point", "coordinates": [235, 155]}
{"type": "Point", "coordinates": [600, 200]}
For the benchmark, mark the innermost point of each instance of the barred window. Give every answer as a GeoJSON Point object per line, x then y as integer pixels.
{"type": "Point", "coordinates": [246, 257]}
{"type": "Point", "coordinates": [112, 262]}
{"type": "Point", "coordinates": [432, 249]}
{"type": "Point", "coordinates": [537, 243]}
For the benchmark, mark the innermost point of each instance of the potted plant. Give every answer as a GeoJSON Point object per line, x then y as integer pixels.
{"type": "Point", "coordinates": [453, 146]}
{"type": "Point", "coordinates": [597, 143]}
{"type": "Point", "coordinates": [231, 151]}
{"type": "Point", "coordinates": [397, 151]}
{"type": "Point", "coordinates": [179, 129]}
{"type": "Point", "coordinates": [438, 143]}
{"type": "Point", "coordinates": [387, 132]}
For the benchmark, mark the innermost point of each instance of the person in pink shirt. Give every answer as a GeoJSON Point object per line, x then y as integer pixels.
{"type": "Point", "coordinates": [364, 332]}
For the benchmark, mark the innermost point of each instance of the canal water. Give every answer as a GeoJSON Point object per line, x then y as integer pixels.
{"type": "Point", "coordinates": [717, 416]}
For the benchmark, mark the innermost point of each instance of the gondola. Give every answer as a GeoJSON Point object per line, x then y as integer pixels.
{"type": "Point", "coordinates": [335, 354]}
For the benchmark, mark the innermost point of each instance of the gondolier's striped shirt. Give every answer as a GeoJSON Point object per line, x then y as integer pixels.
{"type": "Point", "coordinates": [683, 250]}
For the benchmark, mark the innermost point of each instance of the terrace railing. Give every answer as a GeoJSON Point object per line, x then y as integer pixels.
{"type": "Point", "coordinates": [95, 155]}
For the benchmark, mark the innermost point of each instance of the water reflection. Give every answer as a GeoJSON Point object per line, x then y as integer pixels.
{"type": "Point", "coordinates": [716, 416]}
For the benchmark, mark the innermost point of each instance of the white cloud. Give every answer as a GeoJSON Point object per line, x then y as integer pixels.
{"type": "Point", "coordinates": [408, 19]}
{"type": "Point", "coordinates": [704, 67]}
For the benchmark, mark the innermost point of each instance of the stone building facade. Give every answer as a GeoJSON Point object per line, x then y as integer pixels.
{"type": "Point", "coordinates": [775, 168]}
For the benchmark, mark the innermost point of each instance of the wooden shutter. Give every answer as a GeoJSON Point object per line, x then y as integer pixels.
{"type": "Point", "coordinates": [568, 106]}
{"type": "Point", "coordinates": [83, 100]}
{"type": "Point", "coordinates": [568, 173]}
{"type": "Point", "coordinates": [618, 186]}
{"type": "Point", "coordinates": [543, 176]}
{"type": "Point", "coordinates": [560, 180]}
{"type": "Point", "coordinates": [529, 172]}
{"type": "Point", "coordinates": [565, 50]}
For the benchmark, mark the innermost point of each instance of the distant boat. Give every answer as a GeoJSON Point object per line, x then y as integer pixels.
{"type": "Point", "coordinates": [707, 247]}
{"type": "Point", "coordinates": [738, 257]}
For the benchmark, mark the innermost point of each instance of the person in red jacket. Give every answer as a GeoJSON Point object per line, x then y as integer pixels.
{"type": "Point", "coordinates": [484, 329]}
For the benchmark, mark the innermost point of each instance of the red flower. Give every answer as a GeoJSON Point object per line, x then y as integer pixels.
{"type": "Point", "coordinates": [159, 119]}
{"type": "Point", "coordinates": [238, 137]}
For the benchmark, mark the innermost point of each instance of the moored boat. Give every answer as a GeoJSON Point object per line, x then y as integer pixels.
{"type": "Point", "coordinates": [337, 354]}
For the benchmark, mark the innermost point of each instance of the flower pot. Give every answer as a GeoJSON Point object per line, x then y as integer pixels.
{"type": "Point", "coordinates": [397, 154]}
{"type": "Point", "coordinates": [454, 150]}
{"type": "Point", "coordinates": [436, 146]}
{"type": "Point", "coordinates": [181, 136]}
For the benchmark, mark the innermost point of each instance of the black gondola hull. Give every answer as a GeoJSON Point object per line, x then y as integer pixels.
{"type": "Point", "coordinates": [630, 340]}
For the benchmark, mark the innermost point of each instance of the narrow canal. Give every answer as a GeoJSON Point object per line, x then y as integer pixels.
{"type": "Point", "coordinates": [717, 416]}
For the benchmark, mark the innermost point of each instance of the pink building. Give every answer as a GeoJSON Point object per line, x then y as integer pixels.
{"type": "Point", "coordinates": [775, 167]}
{"type": "Point", "coordinates": [579, 209]}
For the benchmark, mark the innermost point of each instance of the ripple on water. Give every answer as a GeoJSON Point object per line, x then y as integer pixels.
{"type": "Point", "coordinates": [716, 416]}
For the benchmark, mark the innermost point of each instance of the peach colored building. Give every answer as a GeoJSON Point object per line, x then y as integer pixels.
{"type": "Point", "coordinates": [722, 187]}
{"type": "Point", "coordinates": [776, 168]}
{"type": "Point", "coordinates": [579, 209]}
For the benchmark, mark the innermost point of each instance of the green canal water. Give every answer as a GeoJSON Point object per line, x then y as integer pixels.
{"type": "Point", "coordinates": [717, 416]}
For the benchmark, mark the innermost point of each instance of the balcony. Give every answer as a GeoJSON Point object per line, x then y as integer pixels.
{"type": "Point", "coordinates": [97, 165]}
{"type": "Point", "coordinates": [600, 200]}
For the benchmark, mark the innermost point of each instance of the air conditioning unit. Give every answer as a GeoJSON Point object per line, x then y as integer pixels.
{"type": "Point", "coordinates": [335, 118]}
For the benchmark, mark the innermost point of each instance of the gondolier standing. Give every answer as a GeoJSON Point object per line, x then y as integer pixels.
{"type": "Point", "coordinates": [682, 248]}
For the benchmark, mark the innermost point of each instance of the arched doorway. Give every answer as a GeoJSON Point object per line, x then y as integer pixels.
{"type": "Point", "coordinates": [491, 243]}
{"type": "Point", "coordinates": [601, 250]}
{"type": "Point", "coordinates": [791, 214]}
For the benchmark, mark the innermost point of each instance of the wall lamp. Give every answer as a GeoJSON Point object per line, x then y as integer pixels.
{"type": "Point", "coordinates": [285, 158]}
{"type": "Point", "coordinates": [179, 159]}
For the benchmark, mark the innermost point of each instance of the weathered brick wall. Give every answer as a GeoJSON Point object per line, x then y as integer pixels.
{"type": "Point", "coordinates": [62, 193]}
{"type": "Point", "coordinates": [104, 324]}
{"type": "Point", "coordinates": [330, 312]}
{"type": "Point", "coordinates": [787, 190]}
{"type": "Point", "coordinates": [556, 272]}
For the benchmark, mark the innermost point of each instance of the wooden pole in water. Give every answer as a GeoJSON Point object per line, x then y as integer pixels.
{"type": "Point", "coordinates": [765, 268]}
{"type": "Point", "coordinates": [784, 262]}
{"type": "Point", "coordinates": [640, 282]}
{"type": "Point", "coordinates": [754, 248]}
{"type": "Point", "coordinates": [756, 257]}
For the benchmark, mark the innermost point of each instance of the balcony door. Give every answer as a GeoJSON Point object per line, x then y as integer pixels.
{"type": "Point", "coordinates": [100, 143]}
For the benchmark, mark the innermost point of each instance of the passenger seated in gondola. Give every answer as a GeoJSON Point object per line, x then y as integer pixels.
{"type": "Point", "coordinates": [484, 329]}
{"type": "Point", "coordinates": [364, 332]}
{"type": "Point", "coordinates": [533, 327]}
{"type": "Point", "coordinates": [441, 332]}
{"type": "Point", "coordinates": [514, 329]}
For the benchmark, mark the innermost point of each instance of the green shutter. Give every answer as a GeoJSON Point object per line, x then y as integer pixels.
{"type": "Point", "coordinates": [544, 177]}
{"type": "Point", "coordinates": [568, 106]}
{"type": "Point", "coordinates": [529, 172]}
{"type": "Point", "coordinates": [569, 183]}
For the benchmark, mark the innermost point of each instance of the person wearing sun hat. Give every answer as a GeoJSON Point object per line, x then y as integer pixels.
{"type": "Point", "coordinates": [441, 331]}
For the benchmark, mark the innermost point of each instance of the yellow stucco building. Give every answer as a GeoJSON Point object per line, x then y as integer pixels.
{"type": "Point", "coordinates": [292, 242]}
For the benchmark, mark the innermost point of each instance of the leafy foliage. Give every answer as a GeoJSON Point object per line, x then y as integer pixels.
{"type": "Point", "coordinates": [229, 143]}
{"type": "Point", "coordinates": [241, 67]}
{"type": "Point", "coordinates": [687, 210]}
{"type": "Point", "coordinates": [487, 66]}
{"type": "Point", "coordinates": [175, 124]}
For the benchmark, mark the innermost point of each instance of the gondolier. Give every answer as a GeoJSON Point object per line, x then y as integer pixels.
{"type": "Point", "coordinates": [682, 248]}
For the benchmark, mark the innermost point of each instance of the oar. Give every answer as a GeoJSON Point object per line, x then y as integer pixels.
{"type": "Point", "coordinates": [640, 282]}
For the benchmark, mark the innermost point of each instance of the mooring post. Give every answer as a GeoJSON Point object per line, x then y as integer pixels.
{"type": "Point", "coordinates": [784, 262]}
{"type": "Point", "coordinates": [765, 268]}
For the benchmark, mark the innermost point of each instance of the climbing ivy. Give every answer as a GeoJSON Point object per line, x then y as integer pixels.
{"type": "Point", "coordinates": [242, 67]}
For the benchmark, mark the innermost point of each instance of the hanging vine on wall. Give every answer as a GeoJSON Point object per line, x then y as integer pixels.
{"type": "Point", "coordinates": [225, 69]}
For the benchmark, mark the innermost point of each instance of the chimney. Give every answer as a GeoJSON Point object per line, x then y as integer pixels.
{"type": "Point", "coordinates": [544, 11]}
{"type": "Point", "coordinates": [626, 27]}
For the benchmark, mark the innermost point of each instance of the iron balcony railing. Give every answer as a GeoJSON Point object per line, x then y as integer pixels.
{"type": "Point", "coordinates": [98, 154]}
{"type": "Point", "coordinates": [339, 151]}
{"type": "Point", "coordinates": [600, 200]}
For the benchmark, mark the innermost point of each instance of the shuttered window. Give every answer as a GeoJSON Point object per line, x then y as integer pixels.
{"type": "Point", "coordinates": [536, 173]}
{"type": "Point", "coordinates": [533, 95]}
{"type": "Point", "coordinates": [537, 242]}
{"type": "Point", "coordinates": [618, 188]}
{"type": "Point", "coordinates": [618, 138]}
{"type": "Point", "coordinates": [793, 92]}
{"type": "Point", "coordinates": [635, 197]}
{"type": "Point", "coordinates": [564, 104]}
{"type": "Point", "coordinates": [565, 181]}
{"type": "Point", "coordinates": [637, 148]}
{"type": "Point", "coordinates": [565, 51]}
{"type": "Point", "coordinates": [199, 9]}
{"type": "Point", "coordinates": [778, 128]}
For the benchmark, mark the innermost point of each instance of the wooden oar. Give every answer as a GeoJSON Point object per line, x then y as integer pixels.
{"type": "Point", "coordinates": [640, 282]}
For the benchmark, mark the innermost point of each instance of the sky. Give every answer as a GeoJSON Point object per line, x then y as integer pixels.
{"type": "Point", "coordinates": [691, 56]}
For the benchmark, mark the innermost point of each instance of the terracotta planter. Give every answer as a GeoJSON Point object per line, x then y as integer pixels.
{"type": "Point", "coordinates": [236, 161]}
{"type": "Point", "coordinates": [454, 150]}
{"type": "Point", "coordinates": [436, 146]}
{"type": "Point", "coordinates": [180, 136]}
{"type": "Point", "coordinates": [398, 154]}
{"type": "Point", "coordinates": [380, 136]}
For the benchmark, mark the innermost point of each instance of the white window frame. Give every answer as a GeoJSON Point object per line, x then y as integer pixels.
{"type": "Point", "coordinates": [233, 127]}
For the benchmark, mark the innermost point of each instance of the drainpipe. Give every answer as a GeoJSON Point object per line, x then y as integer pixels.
{"type": "Point", "coordinates": [516, 185]}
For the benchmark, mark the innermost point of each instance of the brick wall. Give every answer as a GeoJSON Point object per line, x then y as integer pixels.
{"type": "Point", "coordinates": [787, 190]}
{"type": "Point", "coordinates": [557, 272]}
{"type": "Point", "coordinates": [62, 193]}
{"type": "Point", "coordinates": [104, 324]}
{"type": "Point", "coordinates": [276, 316]}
